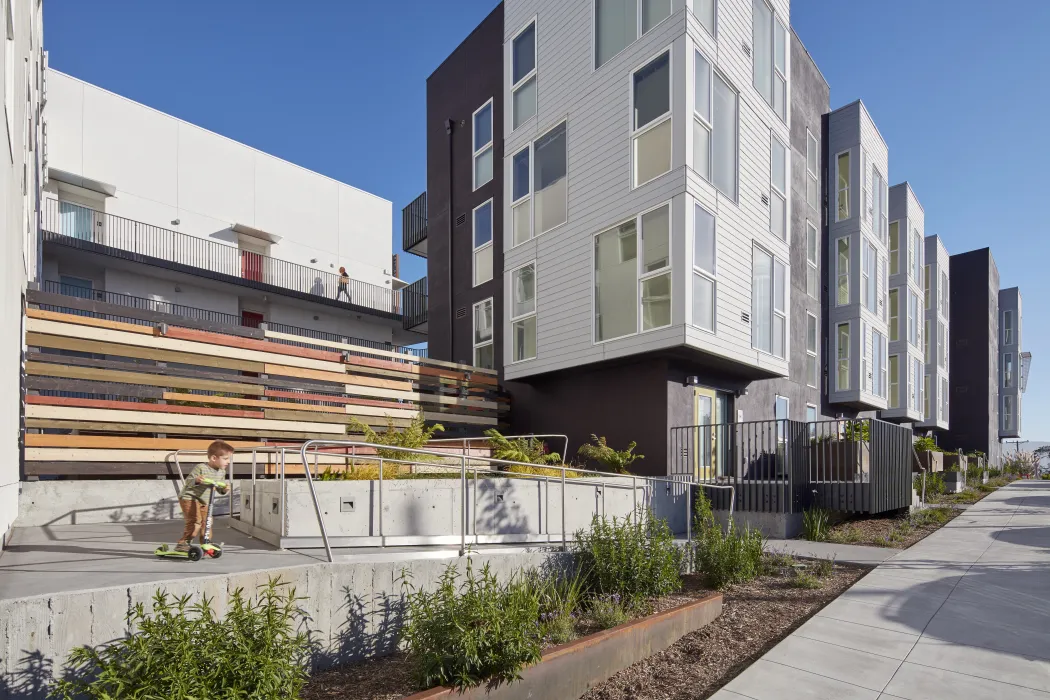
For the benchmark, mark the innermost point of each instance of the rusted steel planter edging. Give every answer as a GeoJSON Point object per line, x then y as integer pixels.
{"type": "Point", "coordinates": [569, 670]}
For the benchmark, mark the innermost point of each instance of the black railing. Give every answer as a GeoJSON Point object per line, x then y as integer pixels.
{"type": "Point", "coordinates": [96, 231]}
{"type": "Point", "coordinates": [415, 298]}
{"type": "Point", "coordinates": [785, 466]}
{"type": "Point", "coordinates": [414, 224]}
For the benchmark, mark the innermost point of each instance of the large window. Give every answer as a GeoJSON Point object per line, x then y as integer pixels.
{"type": "Point", "coordinates": [916, 384]}
{"type": "Point", "coordinates": [539, 193]}
{"type": "Point", "coordinates": [812, 260]}
{"type": "Point", "coordinates": [724, 138]}
{"type": "Point", "coordinates": [769, 39]}
{"type": "Point", "coordinates": [521, 202]}
{"type": "Point", "coordinates": [651, 137]}
{"type": "Point", "coordinates": [916, 258]}
{"type": "Point", "coordinates": [484, 356]}
{"type": "Point", "coordinates": [632, 276]}
{"type": "Point", "coordinates": [927, 355]}
{"type": "Point", "coordinates": [942, 340]}
{"type": "Point", "coordinates": [926, 287]}
{"type": "Point", "coordinates": [704, 284]}
{"type": "Point", "coordinates": [944, 399]}
{"type": "Point", "coordinates": [926, 413]}
{"type": "Point", "coordinates": [483, 243]}
{"type": "Point", "coordinates": [895, 248]}
{"type": "Point", "coordinates": [842, 186]}
{"type": "Point", "coordinates": [1008, 412]}
{"type": "Point", "coordinates": [523, 76]}
{"type": "Point", "coordinates": [812, 361]}
{"type": "Point", "coordinates": [812, 170]}
{"type": "Point", "coordinates": [768, 311]}
{"type": "Point", "coordinates": [1008, 370]}
{"type": "Point", "coordinates": [869, 280]}
{"type": "Point", "coordinates": [895, 381]}
{"type": "Point", "coordinates": [913, 319]}
{"type": "Point", "coordinates": [523, 313]}
{"type": "Point", "coordinates": [702, 122]}
{"type": "Point", "coordinates": [878, 380]}
{"type": "Point", "coordinates": [618, 23]}
{"type": "Point", "coordinates": [705, 12]}
{"type": "Point", "coordinates": [943, 294]}
{"type": "Point", "coordinates": [483, 145]}
{"type": "Point", "coordinates": [842, 271]}
{"type": "Point", "coordinates": [842, 357]}
{"type": "Point", "coordinates": [879, 196]}
{"type": "Point", "coordinates": [895, 311]}
{"type": "Point", "coordinates": [778, 179]}
{"type": "Point", "coordinates": [1008, 327]}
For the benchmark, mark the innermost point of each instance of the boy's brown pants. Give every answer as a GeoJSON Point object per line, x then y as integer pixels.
{"type": "Point", "coordinates": [195, 514]}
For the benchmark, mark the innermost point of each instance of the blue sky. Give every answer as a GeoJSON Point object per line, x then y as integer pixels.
{"type": "Point", "coordinates": [339, 87]}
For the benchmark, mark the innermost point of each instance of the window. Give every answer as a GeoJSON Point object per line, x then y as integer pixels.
{"type": "Point", "coordinates": [941, 341]}
{"type": "Point", "coordinates": [878, 381]}
{"type": "Point", "coordinates": [724, 138]}
{"type": "Point", "coordinates": [523, 313]}
{"type": "Point", "coordinates": [811, 350]}
{"type": "Point", "coordinates": [895, 247]}
{"type": "Point", "coordinates": [1008, 412]}
{"type": "Point", "coordinates": [703, 268]}
{"type": "Point", "coordinates": [842, 188]}
{"type": "Point", "coordinates": [702, 88]}
{"type": "Point", "coordinates": [523, 76]}
{"type": "Point", "coordinates": [483, 145]}
{"type": "Point", "coordinates": [769, 39]}
{"type": "Point", "coordinates": [927, 355]}
{"type": "Point", "coordinates": [894, 315]}
{"type": "Point", "coordinates": [9, 69]}
{"type": "Point", "coordinates": [926, 397]}
{"type": "Point", "coordinates": [1008, 327]}
{"type": "Point", "coordinates": [1008, 370]}
{"type": "Point", "coordinates": [944, 349]}
{"type": "Point", "coordinates": [869, 280]}
{"type": "Point", "coordinates": [865, 359]}
{"type": "Point", "coordinates": [895, 381]}
{"type": "Point", "coordinates": [879, 195]}
{"type": "Point", "coordinates": [842, 271]}
{"type": "Point", "coordinates": [913, 319]}
{"type": "Point", "coordinates": [944, 399]}
{"type": "Point", "coordinates": [778, 188]}
{"type": "Point", "coordinates": [781, 411]}
{"type": "Point", "coordinates": [521, 203]}
{"type": "Point", "coordinates": [483, 243]}
{"type": "Point", "coordinates": [916, 384]}
{"type": "Point", "coordinates": [484, 355]}
{"type": "Point", "coordinates": [651, 96]}
{"type": "Point", "coordinates": [812, 261]}
{"type": "Point", "coordinates": [768, 312]}
{"type": "Point", "coordinates": [916, 258]}
{"type": "Point", "coordinates": [926, 287]}
{"type": "Point", "coordinates": [944, 294]}
{"type": "Point", "coordinates": [811, 416]}
{"type": "Point", "coordinates": [842, 357]}
{"type": "Point", "coordinates": [549, 180]}
{"type": "Point", "coordinates": [704, 11]}
{"type": "Point", "coordinates": [812, 168]}
{"type": "Point", "coordinates": [655, 233]}
{"type": "Point", "coordinates": [617, 24]}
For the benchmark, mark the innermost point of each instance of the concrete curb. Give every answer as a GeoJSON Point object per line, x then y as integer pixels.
{"type": "Point", "coordinates": [569, 670]}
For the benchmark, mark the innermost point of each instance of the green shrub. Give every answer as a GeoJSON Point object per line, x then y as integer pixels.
{"type": "Point", "coordinates": [612, 460]}
{"type": "Point", "coordinates": [182, 651]}
{"type": "Point", "coordinates": [724, 558]}
{"type": "Point", "coordinates": [934, 484]}
{"type": "Point", "coordinates": [815, 524]}
{"type": "Point", "coordinates": [634, 558]}
{"type": "Point", "coordinates": [845, 534]}
{"type": "Point", "coordinates": [823, 567]}
{"type": "Point", "coordinates": [560, 598]}
{"type": "Point", "coordinates": [775, 564]}
{"type": "Point", "coordinates": [530, 450]}
{"type": "Point", "coordinates": [932, 516]}
{"type": "Point", "coordinates": [857, 430]}
{"type": "Point", "coordinates": [608, 611]}
{"type": "Point", "coordinates": [472, 630]}
{"type": "Point", "coordinates": [415, 437]}
{"type": "Point", "coordinates": [926, 444]}
{"type": "Point", "coordinates": [804, 579]}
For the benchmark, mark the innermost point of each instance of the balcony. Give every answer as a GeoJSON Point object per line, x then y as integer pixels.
{"type": "Point", "coordinates": [414, 226]}
{"type": "Point", "coordinates": [415, 300]}
{"type": "Point", "coordinates": [93, 231]}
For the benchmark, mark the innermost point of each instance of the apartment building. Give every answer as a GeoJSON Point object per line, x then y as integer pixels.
{"type": "Point", "coordinates": [936, 301]}
{"type": "Point", "coordinates": [22, 168]}
{"type": "Point", "coordinates": [1013, 362]}
{"type": "Point", "coordinates": [973, 355]}
{"type": "Point", "coordinates": [907, 325]}
{"type": "Point", "coordinates": [147, 210]}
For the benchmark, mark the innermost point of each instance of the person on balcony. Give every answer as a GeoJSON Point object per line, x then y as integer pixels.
{"type": "Point", "coordinates": [344, 285]}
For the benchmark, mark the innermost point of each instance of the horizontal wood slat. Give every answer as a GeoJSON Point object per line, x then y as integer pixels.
{"type": "Point", "coordinates": [100, 348]}
{"type": "Point", "coordinates": [88, 321]}
{"type": "Point", "coordinates": [250, 344]}
{"type": "Point", "coordinates": [133, 406]}
{"type": "Point", "coordinates": [146, 418]}
{"type": "Point", "coordinates": [86, 387]}
{"type": "Point", "coordinates": [120, 377]}
{"type": "Point", "coordinates": [209, 432]}
{"type": "Point", "coordinates": [231, 401]}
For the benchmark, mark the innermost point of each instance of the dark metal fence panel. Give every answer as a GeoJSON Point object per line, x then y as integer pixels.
{"type": "Point", "coordinates": [892, 450]}
{"type": "Point", "coordinates": [415, 301]}
{"type": "Point", "coordinates": [414, 222]}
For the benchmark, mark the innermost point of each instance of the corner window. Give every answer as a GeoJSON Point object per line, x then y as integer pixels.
{"type": "Point", "coordinates": [943, 294]}
{"type": "Point", "coordinates": [703, 268]}
{"type": "Point", "coordinates": [523, 76]}
{"type": "Point", "coordinates": [916, 384]}
{"type": "Point", "coordinates": [926, 397]}
{"type": "Point", "coordinates": [895, 381]}
{"type": "Point", "coordinates": [702, 122]}
{"type": "Point", "coordinates": [1008, 371]}
{"type": "Point", "coordinates": [913, 319]}
{"type": "Point", "coordinates": [812, 168]}
{"type": "Point", "coordinates": [842, 340]}
{"type": "Point", "coordinates": [521, 202]}
{"type": "Point", "coordinates": [778, 188]}
{"type": "Point", "coordinates": [927, 353]}
{"type": "Point", "coordinates": [483, 243]}
{"type": "Point", "coordinates": [523, 313]}
{"type": "Point", "coordinates": [1008, 413]}
{"type": "Point", "coordinates": [651, 137]}
{"type": "Point", "coordinates": [878, 381]}
{"type": "Point", "coordinates": [617, 24]}
{"type": "Point", "coordinates": [705, 13]}
{"type": "Point", "coordinates": [811, 350]}
{"type": "Point", "coordinates": [724, 137]}
{"type": "Point", "coordinates": [869, 281]}
{"type": "Point", "coordinates": [944, 399]}
{"type": "Point", "coordinates": [768, 310]}
{"type": "Point", "coordinates": [842, 261]}
{"type": "Point", "coordinates": [812, 260]}
{"type": "Point", "coordinates": [655, 233]}
{"type": "Point", "coordinates": [879, 197]}
{"type": "Point", "coordinates": [483, 145]}
{"type": "Point", "coordinates": [895, 248]}
{"type": "Point", "coordinates": [916, 258]}
{"type": "Point", "coordinates": [484, 355]}
{"type": "Point", "coordinates": [942, 338]}
{"type": "Point", "coordinates": [539, 186]}
{"type": "Point", "coordinates": [926, 287]}
{"type": "Point", "coordinates": [1008, 327]}
{"type": "Point", "coordinates": [769, 39]}
{"type": "Point", "coordinates": [842, 187]}
{"type": "Point", "coordinates": [895, 320]}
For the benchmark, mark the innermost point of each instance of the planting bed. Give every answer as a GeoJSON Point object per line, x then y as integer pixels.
{"type": "Point", "coordinates": [894, 532]}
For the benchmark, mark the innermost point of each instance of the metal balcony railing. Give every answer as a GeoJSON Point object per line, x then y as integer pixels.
{"type": "Point", "coordinates": [87, 229]}
{"type": "Point", "coordinates": [415, 298]}
{"type": "Point", "coordinates": [414, 225]}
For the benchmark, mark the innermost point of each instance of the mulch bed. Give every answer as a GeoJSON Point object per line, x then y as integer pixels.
{"type": "Point", "coordinates": [892, 532]}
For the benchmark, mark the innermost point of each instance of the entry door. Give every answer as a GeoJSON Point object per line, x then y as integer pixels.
{"type": "Point", "coordinates": [708, 411]}
{"type": "Point", "coordinates": [252, 256]}
{"type": "Point", "coordinates": [251, 319]}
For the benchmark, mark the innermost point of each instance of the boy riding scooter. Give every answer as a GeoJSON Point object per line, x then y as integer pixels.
{"type": "Point", "coordinates": [195, 500]}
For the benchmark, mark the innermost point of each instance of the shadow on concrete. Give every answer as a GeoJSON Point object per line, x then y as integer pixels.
{"type": "Point", "coordinates": [31, 681]}
{"type": "Point", "coordinates": [1027, 501]}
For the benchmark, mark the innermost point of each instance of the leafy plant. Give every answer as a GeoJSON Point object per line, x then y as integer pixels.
{"type": "Point", "coordinates": [844, 534]}
{"type": "Point", "coordinates": [926, 444]}
{"type": "Point", "coordinates": [804, 579]}
{"type": "Point", "coordinates": [608, 611]}
{"type": "Point", "coordinates": [181, 650]}
{"type": "Point", "coordinates": [775, 564]}
{"type": "Point", "coordinates": [365, 472]}
{"type": "Point", "coordinates": [415, 436]}
{"type": "Point", "coordinates": [472, 630]}
{"type": "Point", "coordinates": [816, 524]}
{"type": "Point", "coordinates": [613, 460]}
{"type": "Point", "coordinates": [553, 472]}
{"type": "Point", "coordinates": [934, 484]}
{"type": "Point", "coordinates": [823, 567]}
{"type": "Point", "coordinates": [634, 558]}
{"type": "Point", "coordinates": [530, 450]}
{"type": "Point", "coordinates": [560, 598]}
{"type": "Point", "coordinates": [724, 558]}
{"type": "Point", "coordinates": [857, 430]}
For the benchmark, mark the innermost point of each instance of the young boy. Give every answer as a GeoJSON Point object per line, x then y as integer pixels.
{"type": "Point", "coordinates": [195, 495]}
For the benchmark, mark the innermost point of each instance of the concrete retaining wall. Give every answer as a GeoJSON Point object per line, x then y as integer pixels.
{"type": "Point", "coordinates": [355, 610]}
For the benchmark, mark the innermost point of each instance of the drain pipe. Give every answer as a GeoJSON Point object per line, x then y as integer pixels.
{"type": "Point", "coordinates": [451, 295]}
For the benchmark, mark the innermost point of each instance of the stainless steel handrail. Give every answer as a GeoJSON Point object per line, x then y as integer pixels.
{"type": "Point", "coordinates": [468, 440]}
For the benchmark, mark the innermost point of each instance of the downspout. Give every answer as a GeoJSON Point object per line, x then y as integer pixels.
{"type": "Point", "coordinates": [451, 305]}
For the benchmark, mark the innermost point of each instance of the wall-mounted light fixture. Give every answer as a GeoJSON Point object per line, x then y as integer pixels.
{"type": "Point", "coordinates": [692, 381]}
{"type": "Point", "coordinates": [176, 222]}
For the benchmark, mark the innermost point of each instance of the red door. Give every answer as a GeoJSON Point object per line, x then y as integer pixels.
{"type": "Point", "coordinates": [251, 266]}
{"type": "Point", "coordinates": [251, 319]}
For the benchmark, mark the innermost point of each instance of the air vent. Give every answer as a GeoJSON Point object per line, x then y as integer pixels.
{"type": "Point", "coordinates": [461, 312]}
{"type": "Point", "coordinates": [746, 47]}
{"type": "Point", "coordinates": [461, 219]}
{"type": "Point", "coordinates": [745, 317]}
{"type": "Point", "coordinates": [765, 199]}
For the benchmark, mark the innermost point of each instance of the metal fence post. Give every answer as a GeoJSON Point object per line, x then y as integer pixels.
{"type": "Point", "coordinates": [382, 540]}
{"type": "Point", "coordinates": [463, 505]}
{"type": "Point", "coordinates": [564, 535]}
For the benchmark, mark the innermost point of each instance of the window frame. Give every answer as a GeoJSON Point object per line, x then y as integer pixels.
{"type": "Point", "coordinates": [840, 358]}
{"type": "Point", "coordinates": [490, 146]}
{"type": "Point", "coordinates": [774, 313]}
{"type": "Point", "coordinates": [1008, 370]}
{"type": "Point", "coordinates": [944, 402]}
{"type": "Point", "coordinates": [717, 75]}
{"type": "Point", "coordinates": [484, 246]}
{"type": "Point", "coordinates": [774, 192]}
{"type": "Point", "coordinates": [880, 218]}
{"type": "Point", "coordinates": [812, 357]}
{"type": "Point", "coordinates": [926, 299]}
{"type": "Point", "coordinates": [894, 247]}
{"type": "Point", "coordinates": [917, 261]}
{"type": "Point", "coordinates": [707, 122]}
{"type": "Point", "coordinates": [942, 342]}
{"type": "Point", "coordinates": [943, 294]}
{"type": "Point", "coordinates": [713, 30]}
{"type": "Point", "coordinates": [512, 319]}
{"type": "Point", "coordinates": [474, 331]}
{"type": "Point", "coordinates": [849, 185]}
{"type": "Point", "coordinates": [914, 327]}
{"type": "Point", "coordinates": [813, 265]}
{"type": "Point", "coordinates": [666, 117]}
{"type": "Point", "coordinates": [1008, 327]}
{"type": "Point", "coordinates": [10, 95]}
{"type": "Point", "coordinates": [926, 398]}
{"type": "Point", "coordinates": [869, 276]}
{"type": "Point", "coordinates": [895, 315]}
{"type": "Point", "coordinates": [843, 275]}
{"type": "Point", "coordinates": [895, 381]}
{"type": "Point", "coordinates": [525, 200]}
{"type": "Point", "coordinates": [927, 354]}
{"type": "Point", "coordinates": [1008, 413]}
{"type": "Point", "coordinates": [532, 74]}
{"type": "Point", "coordinates": [530, 198]}
{"type": "Point", "coordinates": [710, 275]}
{"type": "Point", "coordinates": [880, 356]}
{"type": "Point", "coordinates": [775, 73]}
{"type": "Point", "coordinates": [638, 33]}
{"type": "Point", "coordinates": [813, 176]}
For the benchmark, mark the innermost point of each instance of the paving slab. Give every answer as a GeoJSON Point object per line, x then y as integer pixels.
{"type": "Point", "coordinates": [849, 553]}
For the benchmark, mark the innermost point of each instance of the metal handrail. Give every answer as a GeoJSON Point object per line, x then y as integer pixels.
{"type": "Point", "coordinates": [467, 440]}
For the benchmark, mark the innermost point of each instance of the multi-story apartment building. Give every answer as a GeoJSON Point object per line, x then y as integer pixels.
{"type": "Point", "coordinates": [145, 209]}
{"type": "Point", "coordinates": [907, 326]}
{"type": "Point", "coordinates": [22, 168]}
{"type": "Point", "coordinates": [857, 247]}
{"type": "Point", "coordinates": [973, 354]}
{"type": "Point", "coordinates": [935, 333]}
{"type": "Point", "coordinates": [1013, 362]}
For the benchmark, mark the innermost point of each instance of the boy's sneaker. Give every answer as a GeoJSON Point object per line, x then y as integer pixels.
{"type": "Point", "coordinates": [182, 547]}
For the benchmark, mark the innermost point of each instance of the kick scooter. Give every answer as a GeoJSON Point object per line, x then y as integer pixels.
{"type": "Point", "coordinates": [196, 552]}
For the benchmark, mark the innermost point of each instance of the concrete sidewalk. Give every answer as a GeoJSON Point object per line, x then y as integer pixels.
{"type": "Point", "coordinates": [964, 614]}
{"type": "Point", "coordinates": [845, 553]}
